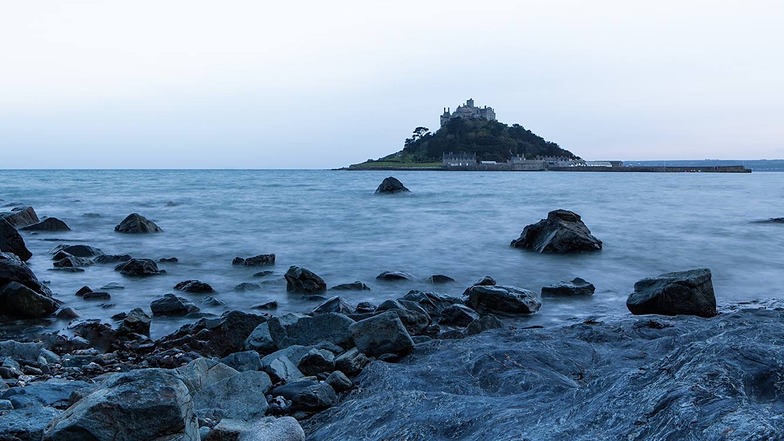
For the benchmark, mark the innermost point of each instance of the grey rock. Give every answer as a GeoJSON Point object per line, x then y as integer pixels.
{"type": "Point", "coordinates": [67, 314]}
{"type": "Point", "coordinates": [168, 260]}
{"type": "Point", "coordinates": [138, 405]}
{"type": "Point", "coordinates": [433, 303]}
{"type": "Point", "coordinates": [51, 393]}
{"type": "Point", "coordinates": [282, 370]}
{"type": "Point", "coordinates": [394, 276]}
{"type": "Point", "coordinates": [203, 372]}
{"type": "Point", "coordinates": [294, 353]}
{"type": "Point", "coordinates": [20, 217]}
{"type": "Point", "coordinates": [562, 232]}
{"type": "Point", "coordinates": [303, 281]}
{"type": "Point", "coordinates": [112, 258]}
{"type": "Point", "coordinates": [381, 334]}
{"type": "Point", "coordinates": [264, 273]}
{"type": "Point", "coordinates": [413, 316]}
{"type": "Point", "coordinates": [69, 261]}
{"type": "Point", "coordinates": [240, 396]}
{"type": "Point", "coordinates": [577, 287]}
{"type": "Point", "coordinates": [334, 304]}
{"type": "Point", "coordinates": [173, 305]}
{"type": "Point", "coordinates": [351, 362]}
{"type": "Point", "coordinates": [485, 281]}
{"type": "Point", "coordinates": [365, 308]}
{"type": "Point", "coordinates": [353, 286]}
{"type": "Point", "coordinates": [260, 340]}
{"type": "Point", "coordinates": [194, 286]}
{"type": "Point", "coordinates": [266, 306]}
{"type": "Point", "coordinates": [20, 351]}
{"type": "Point", "coordinates": [503, 300]}
{"type": "Point", "coordinates": [485, 323]}
{"type": "Point", "coordinates": [458, 315]}
{"type": "Point", "coordinates": [265, 429]}
{"type": "Point", "coordinates": [48, 224]}
{"type": "Point", "coordinates": [316, 361]}
{"type": "Point", "coordinates": [391, 185]}
{"type": "Point", "coordinates": [77, 250]}
{"type": "Point", "coordinates": [297, 329]}
{"type": "Point", "coordinates": [439, 279]}
{"type": "Point", "coordinates": [306, 394]}
{"type": "Point", "coordinates": [139, 268]}
{"type": "Point", "coordinates": [112, 285]}
{"type": "Point", "coordinates": [212, 301]}
{"type": "Point", "coordinates": [260, 260]}
{"type": "Point", "coordinates": [339, 381]}
{"type": "Point", "coordinates": [135, 223]}
{"type": "Point", "coordinates": [137, 321]}
{"type": "Point", "coordinates": [96, 295]}
{"type": "Point", "coordinates": [11, 241]}
{"type": "Point", "coordinates": [247, 286]}
{"type": "Point", "coordinates": [243, 361]}
{"type": "Point", "coordinates": [684, 292]}
{"type": "Point", "coordinates": [26, 424]}
{"type": "Point", "coordinates": [17, 300]}
{"type": "Point", "coordinates": [215, 336]}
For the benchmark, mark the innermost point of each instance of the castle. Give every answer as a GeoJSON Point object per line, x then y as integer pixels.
{"type": "Point", "coordinates": [468, 111]}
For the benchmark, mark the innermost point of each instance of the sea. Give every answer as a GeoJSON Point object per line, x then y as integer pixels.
{"type": "Point", "coordinates": [459, 224]}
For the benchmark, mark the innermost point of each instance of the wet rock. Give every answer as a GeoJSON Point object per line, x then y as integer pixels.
{"type": "Point", "coordinates": [243, 361]}
{"type": "Point", "coordinates": [48, 224]}
{"type": "Point", "coordinates": [394, 276]}
{"type": "Point", "coordinates": [172, 305]}
{"type": "Point", "coordinates": [260, 340]}
{"type": "Point", "coordinates": [135, 223]}
{"type": "Point", "coordinates": [353, 286]}
{"type": "Point", "coordinates": [503, 300]}
{"type": "Point", "coordinates": [203, 372]}
{"type": "Point", "coordinates": [316, 361]}
{"type": "Point", "coordinates": [269, 428]}
{"type": "Point", "coordinates": [112, 258]}
{"type": "Point", "coordinates": [413, 316]}
{"type": "Point", "coordinates": [306, 394]}
{"type": "Point", "coordinates": [303, 281]}
{"type": "Point", "coordinates": [458, 315]}
{"type": "Point", "coordinates": [335, 304]}
{"type": "Point", "coordinates": [240, 396]}
{"type": "Point", "coordinates": [577, 287]}
{"type": "Point", "coordinates": [212, 301]}
{"type": "Point", "coordinates": [51, 393]}
{"type": "Point", "coordinates": [72, 262]}
{"type": "Point", "coordinates": [17, 300]}
{"type": "Point", "coordinates": [266, 306]}
{"type": "Point", "coordinates": [20, 217]}
{"type": "Point", "coordinates": [26, 424]}
{"type": "Point", "coordinates": [381, 334]}
{"type": "Point", "coordinates": [168, 260]}
{"type": "Point", "coordinates": [77, 250]}
{"type": "Point", "coordinates": [137, 321]}
{"type": "Point", "coordinates": [282, 370]}
{"type": "Point", "coordinates": [96, 295]}
{"type": "Point", "coordinates": [260, 260]}
{"type": "Point", "coordinates": [684, 292]}
{"type": "Point", "coordinates": [141, 405]}
{"type": "Point", "coordinates": [194, 286]}
{"type": "Point", "coordinates": [339, 381]}
{"type": "Point", "coordinates": [101, 336]}
{"type": "Point", "coordinates": [365, 308]}
{"type": "Point", "coordinates": [439, 279]}
{"type": "Point", "coordinates": [485, 323]}
{"type": "Point", "coordinates": [12, 242]}
{"type": "Point", "coordinates": [562, 232]}
{"type": "Point", "coordinates": [297, 329]}
{"type": "Point", "coordinates": [139, 268]}
{"type": "Point", "coordinates": [67, 314]}
{"type": "Point", "coordinates": [246, 286]}
{"type": "Point", "coordinates": [112, 285]}
{"type": "Point", "coordinates": [263, 273]}
{"type": "Point", "coordinates": [391, 185]}
{"type": "Point", "coordinates": [215, 337]}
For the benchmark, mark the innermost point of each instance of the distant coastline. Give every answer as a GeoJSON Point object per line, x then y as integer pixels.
{"type": "Point", "coordinates": [674, 166]}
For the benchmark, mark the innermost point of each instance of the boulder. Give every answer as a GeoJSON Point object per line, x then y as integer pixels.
{"type": "Point", "coordinates": [215, 336]}
{"type": "Point", "coordinates": [21, 217]}
{"type": "Point", "coordinates": [48, 224]}
{"type": "Point", "coordinates": [168, 260]}
{"type": "Point", "coordinates": [26, 424]}
{"type": "Point", "coordinates": [433, 303]}
{"type": "Point", "coordinates": [297, 329]}
{"type": "Point", "coordinates": [260, 340]}
{"type": "Point", "coordinates": [264, 273]}
{"type": "Point", "coordinates": [55, 392]}
{"type": "Point", "coordinates": [243, 361]}
{"type": "Point", "coordinates": [135, 322]}
{"type": "Point", "coordinates": [413, 316]}
{"type": "Point", "coordinates": [12, 242]}
{"type": "Point", "coordinates": [439, 279]}
{"type": "Point", "coordinates": [112, 258]}
{"type": "Point", "coordinates": [684, 292]}
{"type": "Point", "coordinates": [96, 295]}
{"type": "Point", "coordinates": [335, 304]}
{"type": "Point", "coordinates": [562, 232]}
{"type": "Point", "coordinates": [240, 396]}
{"type": "Point", "coordinates": [172, 305]}
{"type": "Point", "coordinates": [77, 250]}
{"type": "Point", "coordinates": [485, 323]}
{"type": "Point", "coordinates": [139, 268]}
{"type": "Point", "coordinates": [17, 300]}
{"type": "Point", "coordinates": [381, 334]}
{"type": "Point", "coordinates": [391, 185]}
{"type": "Point", "coordinates": [306, 394]}
{"type": "Point", "coordinates": [135, 223]}
{"type": "Point", "coordinates": [194, 286]}
{"type": "Point", "coordinates": [260, 260]}
{"type": "Point", "coordinates": [247, 286]}
{"type": "Point", "coordinates": [316, 361]}
{"type": "Point", "coordinates": [394, 276]}
{"type": "Point", "coordinates": [203, 372]}
{"type": "Point", "coordinates": [353, 286]}
{"type": "Point", "coordinates": [143, 405]}
{"type": "Point", "coordinates": [265, 429]}
{"type": "Point", "coordinates": [503, 300]}
{"type": "Point", "coordinates": [458, 315]}
{"type": "Point", "coordinates": [365, 308]}
{"type": "Point", "coordinates": [339, 381]}
{"type": "Point", "coordinates": [282, 370]}
{"type": "Point", "coordinates": [303, 281]}
{"type": "Point", "coordinates": [69, 261]}
{"type": "Point", "coordinates": [577, 287]}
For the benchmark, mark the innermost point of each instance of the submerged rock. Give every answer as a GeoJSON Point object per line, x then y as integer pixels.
{"type": "Point", "coordinates": [112, 258]}
{"type": "Point", "coordinates": [334, 304]}
{"type": "Point", "coordinates": [303, 281]}
{"type": "Point", "coordinates": [77, 250]}
{"type": "Point", "coordinates": [684, 292]}
{"type": "Point", "coordinates": [439, 279]}
{"type": "Point", "coordinates": [393, 276]}
{"type": "Point", "coordinates": [48, 224]}
{"type": "Point", "coordinates": [576, 287]}
{"type": "Point", "coordinates": [353, 286]}
{"type": "Point", "coordinates": [260, 260]}
{"type": "Point", "coordinates": [11, 241]}
{"type": "Point", "coordinates": [503, 300]}
{"type": "Point", "coordinates": [139, 268]}
{"type": "Point", "coordinates": [391, 185]}
{"type": "Point", "coordinates": [135, 223]}
{"type": "Point", "coordinates": [170, 304]}
{"type": "Point", "coordinates": [21, 217]}
{"type": "Point", "coordinates": [194, 286]}
{"type": "Point", "coordinates": [562, 232]}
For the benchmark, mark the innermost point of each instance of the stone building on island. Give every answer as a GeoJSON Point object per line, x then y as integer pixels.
{"type": "Point", "coordinates": [468, 111]}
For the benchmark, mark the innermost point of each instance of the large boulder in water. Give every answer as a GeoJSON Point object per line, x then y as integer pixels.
{"type": "Point", "coordinates": [684, 292]}
{"type": "Point", "coordinates": [135, 223]}
{"type": "Point", "coordinates": [17, 300]}
{"type": "Point", "coordinates": [577, 287]}
{"type": "Point", "coordinates": [216, 336]}
{"type": "Point", "coordinates": [562, 232]}
{"type": "Point", "coordinates": [139, 268]}
{"type": "Point", "coordinates": [391, 185]}
{"type": "Point", "coordinates": [172, 305]}
{"type": "Point", "coordinates": [143, 405]}
{"type": "Point", "coordinates": [498, 299]}
{"type": "Point", "coordinates": [21, 217]}
{"type": "Point", "coordinates": [303, 281]}
{"type": "Point", "coordinates": [12, 242]}
{"type": "Point", "coordinates": [12, 269]}
{"type": "Point", "coordinates": [48, 224]}
{"type": "Point", "coordinates": [76, 250]}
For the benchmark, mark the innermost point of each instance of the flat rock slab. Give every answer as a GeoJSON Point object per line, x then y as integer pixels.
{"type": "Point", "coordinates": [575, 288]}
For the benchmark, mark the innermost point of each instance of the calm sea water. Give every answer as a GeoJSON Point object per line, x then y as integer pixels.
{"type": "Point", "coordinates": [453, 223]}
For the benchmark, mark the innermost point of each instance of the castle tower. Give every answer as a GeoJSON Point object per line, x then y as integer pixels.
{"type": "Point", "coordinates": [470, 102]}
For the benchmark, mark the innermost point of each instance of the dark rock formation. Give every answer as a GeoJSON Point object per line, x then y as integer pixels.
{"type": "Point", "coordinates": [391, 185]}
{"type": "Point", "coordinates": [303, 281]}
{"type": "Point", "coordinates": [458, 315]}
{"type": "Point", "coordinates": [439, 278]}
{"type": "Point", "coordinates": [146, 404]}
{"type": "Point", "coordinates": [194, 286]}
{"type": "Point", "coordinates": [335, 304]}
{"type": "Point", "coordinates": [684, 292]}
{"type": "Point", "coordinates": [503, 300]}
{"type": "Point", "coordinates": [11, 241]}
{"type": "Point", "coordinates": [577, 287]}
{"type": "Point", "coordinates": [170, 304]}
{"type": "Point", "coordinates": [247, 286]}
{"type": "Point", "coordinates": [297, 329]}
{"type": "Point", "coordinates": [112, 258]}
{"type": "Point", "coordinates": [96, 295]}
{"type": "Point", "coordinates": [414, 317]}
{"type": "Point", "coordinates": [393, 276]}
{"type": "Point", "coordinates": [214, 337]}
{"type": "Point", "coordinates": [17, 300]}
{"type": "Point", "coordinates": [353, 286]}
{"type": "Point", "coordinates": [135, 322]}
{"type": "Point", "coordinates": [48, 224]}
{"type": "Point", "coordinates": [237, 396]}
{"type": "Point", "coordinates": [260, 260]}
{"type": "Point", "coordinates": [562, 232]}
{"type": "Point", "coordinates": [68, 261]}
{"type": "Point", "coordinates": [381, 334]}
{"type": "Point", "coordinates": [773, 220]}
{"type": "Point", "coordinates": [306, 394]}
{"type": "Point", "coordinates": [135, 223]}
{"type": "Point", "coordinates": [139, 268]}
{"type": "Point", "coordinates": [279, 429]}
{"type": "Point", "coordinates": [21, 217]}
{"type": "Point", "coordinates": [77, 250]}
{"type": "Point", "coordinates": [12, 269]}
{"type": "Point", "coordinates": [168, 260]}
{"type": "Point", "coordinates": [316, 361]}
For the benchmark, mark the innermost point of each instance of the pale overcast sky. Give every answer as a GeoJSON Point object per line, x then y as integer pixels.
{"type": "Point", "coordinates": [257, 84]}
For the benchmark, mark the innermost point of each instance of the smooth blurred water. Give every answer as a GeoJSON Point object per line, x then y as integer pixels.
{"type": "Point", "coordinates": [454, 223]}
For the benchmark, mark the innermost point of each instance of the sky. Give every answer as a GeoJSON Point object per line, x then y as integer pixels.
{"type": "Point", "coordinates": [305, 84]}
